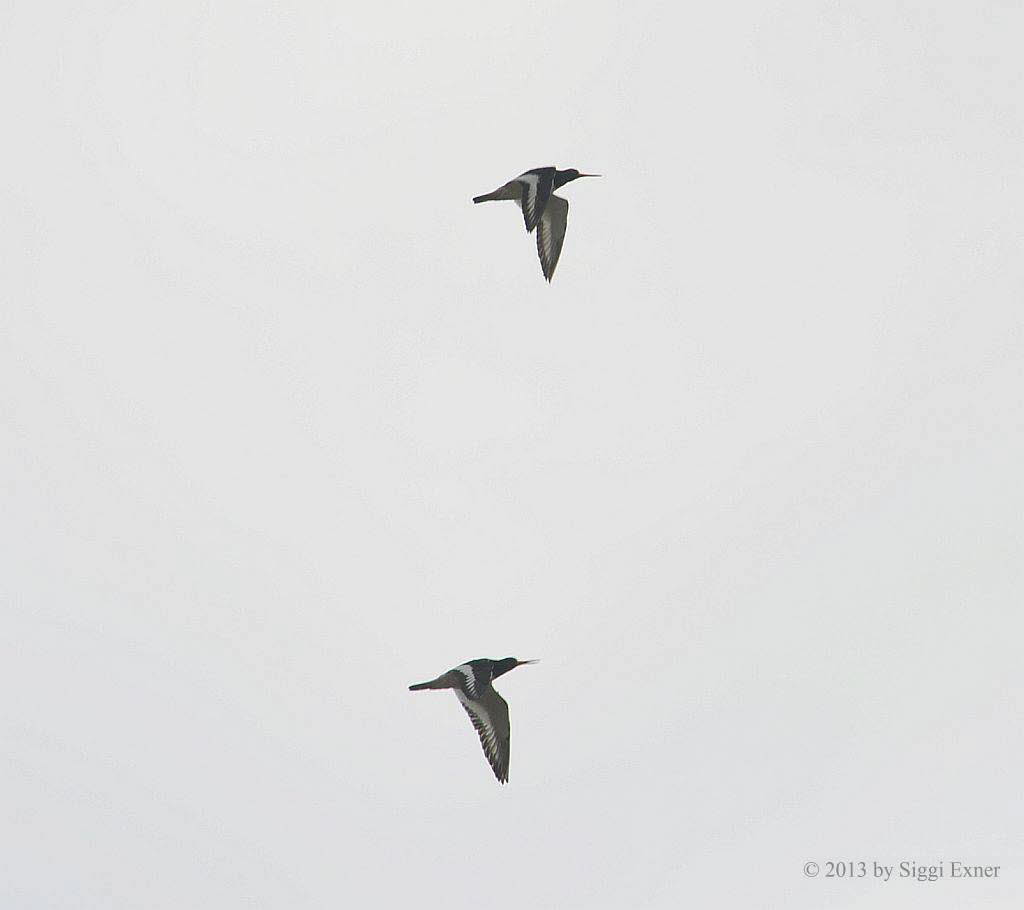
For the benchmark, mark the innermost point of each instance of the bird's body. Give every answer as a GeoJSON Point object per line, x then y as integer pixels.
{"type": "Point", "coordinates": [486, 708]}
{"type": "Point", "coordinates": [534, 192]}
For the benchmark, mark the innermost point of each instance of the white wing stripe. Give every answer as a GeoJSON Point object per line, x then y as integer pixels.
{"type": "Point", "coordinates": [467, 671]}
{"type": "Point", "coordinates": [532, 184]}
{"type": "Point", "coordinates": [479, 713]}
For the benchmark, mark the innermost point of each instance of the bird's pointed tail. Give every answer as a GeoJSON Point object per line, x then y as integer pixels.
{"type": "Point", "coordinates": [487, 197]}
{"type": "Point", "coordinates": [439, 683]}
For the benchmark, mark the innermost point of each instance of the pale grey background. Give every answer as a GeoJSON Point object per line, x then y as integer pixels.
{"type": "Point", "coordinates": [289, 424]}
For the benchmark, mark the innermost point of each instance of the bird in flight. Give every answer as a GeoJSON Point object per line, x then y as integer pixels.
{"type": "Point", "coordinates": [534, 192]}
{"type": "Point", "coordinates": [485, 707]}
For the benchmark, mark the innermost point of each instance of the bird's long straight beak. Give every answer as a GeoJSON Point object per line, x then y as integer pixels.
{"type": "Point", "coordinates": [590, 175]}
{"type": "Point", "coordinates": [520, 663]}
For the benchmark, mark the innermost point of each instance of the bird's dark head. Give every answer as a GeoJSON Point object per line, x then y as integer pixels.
{"type": "Point", "coordinates": [506, 664]}
{"type": "Point", "coordinates": [564, 177]}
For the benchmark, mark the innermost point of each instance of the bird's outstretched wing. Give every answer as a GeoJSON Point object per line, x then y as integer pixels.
{"type": "Point", "coordinates": [551, 233]}
{"type": "Point", "coordinates": [537, 186]}
{"type": "Point", "coordinates": [490, 720]}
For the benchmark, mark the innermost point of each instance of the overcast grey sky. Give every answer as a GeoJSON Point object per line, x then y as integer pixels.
{"type": "Point", "coordinates": [289, 424]}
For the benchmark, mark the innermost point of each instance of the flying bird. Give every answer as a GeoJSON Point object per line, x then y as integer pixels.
{"type": "Point", "coordinates": [485, 707]}
{"type": "Point", "coordinates": [534, 192]}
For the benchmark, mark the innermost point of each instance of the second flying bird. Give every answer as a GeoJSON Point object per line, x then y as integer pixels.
{"type": "Point", "coordinates": [533, 192]}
